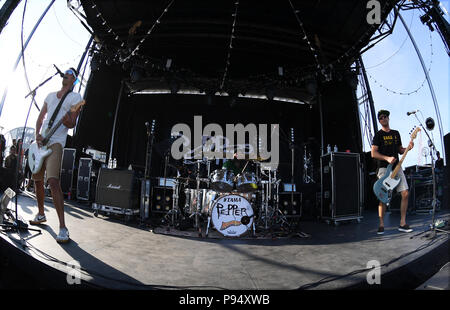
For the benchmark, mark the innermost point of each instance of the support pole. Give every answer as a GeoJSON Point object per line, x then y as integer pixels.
{"type": "Point", "coordinates": [115, 119]}
{"type": "Point", "coordinates": [22, 51]}
{"type": "Point", "coordinates": [6, 11]}
{"type": "Point", "coordinates": [369, 96]}
{"type": "Point", "coordinates": [430, 85]}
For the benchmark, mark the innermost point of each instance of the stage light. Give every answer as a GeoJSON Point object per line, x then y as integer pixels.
{"type": "Point", "coordinates": [4, 202]}
{"type": "Point", "coordinates": [6, 198]}
{"type": "Point", "coordinates": [429, 122]}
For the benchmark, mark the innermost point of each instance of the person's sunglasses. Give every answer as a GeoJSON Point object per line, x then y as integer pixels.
{"type": "Point", "coordinates": [382, 117]}
{"type": "Point", "coordinates": [70, 72]}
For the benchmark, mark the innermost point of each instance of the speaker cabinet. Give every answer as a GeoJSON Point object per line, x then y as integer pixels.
{"type": "Point", "coordinates": [290, 204]}
{"type": "Point", "coordinates": [67, 167]}
{"type": "Point", "coordinates": [117, 188]}
{"type": "Point", "coordinates": [84, 179]}
{"type": "Point", "coordinates": [161, 198]}
{"type": "Point", "coordinates": [342, 190]}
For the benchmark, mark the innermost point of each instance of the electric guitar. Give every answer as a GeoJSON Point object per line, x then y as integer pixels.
{"type": "Point", "coordinates": [36, 154]}
{"type": "Point", "coordinates": [384, 187]}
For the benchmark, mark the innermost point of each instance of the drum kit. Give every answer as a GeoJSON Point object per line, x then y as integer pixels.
{"type": "Point", "coordinates": [231, 204]}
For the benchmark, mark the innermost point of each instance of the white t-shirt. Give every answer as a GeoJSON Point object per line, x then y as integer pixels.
{"type": "Point", "coordinates": [52, 101]}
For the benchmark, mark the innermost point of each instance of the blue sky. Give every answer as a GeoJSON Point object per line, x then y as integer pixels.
{"type": "Point", "coordinates": [391, 64]}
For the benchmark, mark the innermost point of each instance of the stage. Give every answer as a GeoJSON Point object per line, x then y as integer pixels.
{"type": "Point", "coordinates": [115, 254]}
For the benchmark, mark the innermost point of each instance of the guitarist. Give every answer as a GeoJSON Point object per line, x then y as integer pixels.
{"type": "Point", "coordinates": [52, 164]}
{"type": "Point", "coordinates": [386, 146]}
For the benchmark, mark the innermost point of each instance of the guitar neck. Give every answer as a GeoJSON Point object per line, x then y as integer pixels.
{"type": "Point", "coordinates": [399, 165]}
{"type": "Point", "coordinates": [51, 132]}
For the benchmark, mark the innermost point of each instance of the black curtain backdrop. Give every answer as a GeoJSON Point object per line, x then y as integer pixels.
{"type": "Point", "coordinates": [94, 129]}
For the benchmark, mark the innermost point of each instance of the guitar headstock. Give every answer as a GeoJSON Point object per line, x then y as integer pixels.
{"type": "Point", "coordinates": [414, 132]}
{"type": "Point", "coordinates": [153, 126]}
{"type": "Point", "coordinates": [77, 106]}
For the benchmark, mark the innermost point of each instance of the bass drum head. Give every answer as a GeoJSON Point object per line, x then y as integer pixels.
{"type": "Point", "coordinates": [227, 212]}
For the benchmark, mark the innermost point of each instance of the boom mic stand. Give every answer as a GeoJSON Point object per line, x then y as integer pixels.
{"type": "Point", "coordinates": [17, 224]}
{"type": "Point", "coordinates": [432, 149]}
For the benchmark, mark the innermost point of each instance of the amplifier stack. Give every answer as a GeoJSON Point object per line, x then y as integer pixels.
{"type": "Point", "coordinates": [117, 193]}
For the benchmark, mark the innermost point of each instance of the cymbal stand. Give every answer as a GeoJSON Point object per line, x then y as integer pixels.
{"type": "Point", "coordinates": [197, 209]}
{"type": "Point", "coordinates": [175, 197]}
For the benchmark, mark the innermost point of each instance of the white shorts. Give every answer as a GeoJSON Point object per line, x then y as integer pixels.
{"type": "Point", "coordinates": [402, 186]}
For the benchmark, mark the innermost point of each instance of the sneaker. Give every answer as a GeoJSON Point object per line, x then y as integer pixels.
{"type": "Point", "coordinates": [38, 219]}
{"type": "Point", "coordinates": [405, 228]}
{"type": "Point", "coordinates": [380, 230]}
{"type": "Point", "coordinates": [63, 236]}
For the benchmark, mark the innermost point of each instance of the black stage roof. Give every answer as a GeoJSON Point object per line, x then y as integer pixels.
{"type": "Point", "coordinates": [227, 45]}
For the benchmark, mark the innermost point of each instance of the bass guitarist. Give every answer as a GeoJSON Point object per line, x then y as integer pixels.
{"type": "Point", "coordinates": [386, 146]}
{"type": "Point", "coordinates": [52, 164]}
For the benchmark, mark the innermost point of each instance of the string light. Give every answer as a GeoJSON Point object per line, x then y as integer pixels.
{"type": "Point", "coordinates": [421, 85]}
{"type": "Point", "coordinates": [230, 46]}
{"type": "Point", "coordinates": [105, 24]}
{"type": "Point", "coordinates": [149, 32]}
{"type": "Point", "coordinates": [305, 36]}
{"type": "Point", "coordinates": [290, 77]}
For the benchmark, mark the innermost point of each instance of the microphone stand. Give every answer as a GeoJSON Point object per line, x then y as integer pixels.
{"type": "Point", "coordinates": [432, 148]}
{"type": "Point", "coordinates": [18, 225]}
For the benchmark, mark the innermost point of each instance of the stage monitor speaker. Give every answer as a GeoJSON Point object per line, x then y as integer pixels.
{"type": "Point", "coordinates": [117, 188]}
{"type": "Point", "coordinates": [67, 167]}
{"type": "Point", "coordinates": [342, 194]}
{"type": "Point", "coordinates": [161, 199]}
{"type": "Point", "coordinates": [290, 204]}
{"type": "Point", "coordinates": [84, 178]}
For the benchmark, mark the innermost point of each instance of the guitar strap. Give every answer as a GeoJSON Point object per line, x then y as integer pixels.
{"type": "Point", "coordinates": [52, 119]}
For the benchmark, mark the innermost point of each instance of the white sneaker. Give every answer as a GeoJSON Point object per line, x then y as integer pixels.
{"type": "Point", "coordinates": [38, 219]}
{"type": "Point", "coordinates": [63, 236]}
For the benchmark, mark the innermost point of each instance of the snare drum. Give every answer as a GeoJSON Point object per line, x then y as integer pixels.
{"type": "Point", "coordinates": [246, 182]}
{"type": "Point", "coordinates": [222, 180]}
{"type": "Point", "coordinates": [227, 213]}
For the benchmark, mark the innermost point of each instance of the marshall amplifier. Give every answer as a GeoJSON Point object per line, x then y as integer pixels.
{"type": "Point", "coordinates": [342, 187]}
{"type": "Point", "coordinates": [84, 178]}
{"type": "Point", "coordinates": [67, 167]}
{"type": "Point", "coordinates": [117, 188]}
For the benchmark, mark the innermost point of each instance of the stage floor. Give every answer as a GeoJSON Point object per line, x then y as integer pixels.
{"type": "Point", "coordinates": [119, 255]}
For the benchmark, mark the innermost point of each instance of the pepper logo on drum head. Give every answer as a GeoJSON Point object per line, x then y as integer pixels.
{"type": "Point", "coordinates": [227, 214]}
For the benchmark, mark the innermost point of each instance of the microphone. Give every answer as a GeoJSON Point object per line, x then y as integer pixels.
{"type": "Point", "coordinates": [413, 112]}
{"type": "Point", "coordinates": [59, 71]}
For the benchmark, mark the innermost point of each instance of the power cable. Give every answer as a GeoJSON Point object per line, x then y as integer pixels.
{"type": "Point", "coordinates": [358, 271]}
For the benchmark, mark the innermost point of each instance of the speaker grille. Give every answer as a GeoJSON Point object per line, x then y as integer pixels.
{"type": "Point", "coordinates": [117, 188]}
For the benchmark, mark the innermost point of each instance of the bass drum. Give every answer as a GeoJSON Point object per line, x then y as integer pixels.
{"type": "Point", "coordinates": [227, 213]}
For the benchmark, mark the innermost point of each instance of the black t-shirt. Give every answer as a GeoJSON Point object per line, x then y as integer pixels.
{"type": "Point", "coordinates": [388, 144]}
